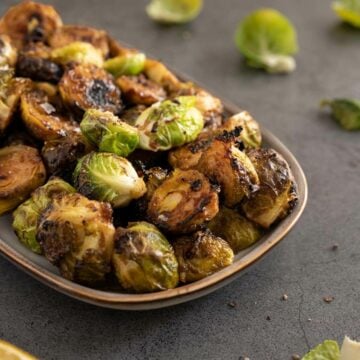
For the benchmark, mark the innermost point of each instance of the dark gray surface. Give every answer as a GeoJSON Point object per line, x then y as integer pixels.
{"type": "Point", "coordinates": [53, 326]}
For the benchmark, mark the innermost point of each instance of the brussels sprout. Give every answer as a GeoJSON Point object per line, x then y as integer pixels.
{"type": "Point", "coordinates": [8, 53]}
{"type": "Point", "coordinates": [116, 48]}
{"type": "Point", "coordinates": [346, 112]}
{"type": "Point", "coordinates": [85, 86]}
{"type": "Point", "coordinates": [143, 259]}
{"type": "Point", "coordinates": [276, 195]}
{"type": "Point", "coordinates": [200, 255]}
{"type": "Point", "coordinates": [174, 11]}
{"type": "Point", "coordinates": [21, 172]}
{"type": "Point", "coordinates": [26, 216]}
{"type": "Point", "coordinates": [140, 90]}
{"type": "Point", "coordinates": [131, 114]}
{"type": "Point", "coordinates": [169, 124]}
{"type": "Point", "coordinates": [131, 63]}
{"type": "Point", "coordinates": [80, 52]}
{"type": "Point", "coordinates": [238, 231]}
{"type": "Point", "coordinates": [109, 133]}
{"type": "Point", "coordinates": [267, 39]}
{"type": "Point", "coordinates": [77, 234]}
{"type": "Point", "coordinates": [183, 202]}
{"type": "Point", "coordinates": [348, 11]}
{"type": "Point", "coordinates": [72, 33]}
{"type": "Point", "coordinates": [29, 22]}
{"type": "Point", "coordinates": [108, 177]}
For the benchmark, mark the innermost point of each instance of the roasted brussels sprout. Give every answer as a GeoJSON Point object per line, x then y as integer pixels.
{"type": "Point", "coordinates": [238, 231]}
{"type": "Point", "coordinates": [143, 259]}
{"type": "Point", "coordinates": [85, 86]}
{"type": "Point", "coordinates": [108, 177]}
{"type": "Point", "coordinates": [131, 114]}
{"type": "Point", "coordinates": [77, 234]}
{"type": "Point", "coordinates": [71, 33]}
{"type": "Point", "coordinates": [130, 63]}
{"type": "Point", "coordinates": [201, 254]}
{"type": "Point", "coordinates": [21, 172]}
{"type": "Point", "coordinates": [140, 90]}
{"type": "Point", "coordinates": [42, 119]}
{"type": "Point", "coordinates": [8, 53]}
{"type": "Point", "coordinates": [169, 124]}
{"type": "Point", "coordinates": [80, 52]}
{"type": "Point", "coordinates": [183, 202]}
{"type": "Point", "coordinates": [26, 216]}
{"type": "Point", "coordinates": [109, 133]}
{"type": "Point", "coordinates": [29, 22]}
{"type": "Point", "coordinates": [276, 195]}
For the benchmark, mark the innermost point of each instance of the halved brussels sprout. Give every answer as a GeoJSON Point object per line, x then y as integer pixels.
{"type": "Point", "coordinates": [71, 33]}
{"type": "Point", "coordinates": [108, 177]}
{"type": "Point", "coordinates": [140, 90]}
{"type": "Point", "coordinates": [21, 172]}
{"type": "Point", "coordinates": [77, 234]}
{"type": "Point", "coordinates": [109, 133]}
{"type": "Point", "coordinates": [143, 259]}
{"type": "Point", "coordinates": [27, 215]}
{"type": "Point", "coordinates": [8, 53]}
{"type": "Point", "coordinates": [348, 11]}
{"type": "Point", "coordinates": [276, 195]}
{"type": "Point", "coordinates": [131, 63]}
{"type": "Point", "coordinates": [42, 119]}
{"type": "Point", "coordinates": [85, 86]}
{"type": "Point", "coordinates": [80, 52]}
{"type": "Point", "coordinates": [169, 123]}
{"type": "Point", "coordinates": [183, 202]}
{"type": "Point", "coordinates": [131, 114]}
{"type": "Point", "coordinates": [238, 231]}
{"type": "Point", "coordinates": [29, 22]}
{"type": "Point", "coordinates": [200, 255]}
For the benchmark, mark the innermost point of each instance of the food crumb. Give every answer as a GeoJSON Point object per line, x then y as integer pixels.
{"type": "Point", "coordinates": [244, 358]}
{"type": "Point", "coordinates": [328, 299]}
{"type": "Point", "coordinates": [284, 297]}
{"type": "Point", "coordinates": [268, 318]}
{"type": "Point", "coordinates": [231, 304]}
{"type": "Point", "coordinates": [309, 319]}
{"type": "Point", "coordinates": [295, 357]}
{"type": "Point", "coordinates": [335, 247]}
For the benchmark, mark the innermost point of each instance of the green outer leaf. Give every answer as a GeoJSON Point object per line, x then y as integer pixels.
{"type": "Point", "coordinates": [348, 11]}
{"type": "Point", "coordinates": [128, 64]}
{"type": "Point", "coordinates": [328, 350]}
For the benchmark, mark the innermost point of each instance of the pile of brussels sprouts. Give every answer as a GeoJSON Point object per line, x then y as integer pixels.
{"type": "Point", "coordinates": [116, 170]}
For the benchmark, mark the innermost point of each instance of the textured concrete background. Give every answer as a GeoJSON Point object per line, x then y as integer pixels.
{"type": "Point", "coordinates": [53, 326]}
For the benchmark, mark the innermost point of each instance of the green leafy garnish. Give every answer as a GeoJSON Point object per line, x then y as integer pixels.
{"type": "Point", "coordinates": [348, 11]}
{"type": "Point", "coordinates": [328, 350]}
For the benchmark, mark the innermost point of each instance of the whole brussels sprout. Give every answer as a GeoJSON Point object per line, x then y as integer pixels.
{"type": "Point", "coordinates": [8, 53]}
{"type": "Point", "coordinates": [108, 177]}
{"type": "Point", "coordinates": [131, 63]}
{"type": "Point", "coordinates": [77, 235]}
{"type": "Point", "coordinates": [238, 231]}
{"type": "Point", "coordinates": [143, 259]}
{"type": "Point", "coordinates": [109, 133]}
{"type": "Point", "coordinates": [169, 124]}
{"type": "Point", "coordinates": [276, 195]}
{"type": "Point", "coordinates": [200, 255]}
{"type": "Point", "coordinates": [26, 216]}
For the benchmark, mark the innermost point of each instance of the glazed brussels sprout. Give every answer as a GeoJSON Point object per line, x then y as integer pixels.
{"type": "Point", "coordinates": [200, 255]}
{"type": "Point", "coordinates": [131, 114]}
{"type": "Point", "coordinates": [140, 90]}
{"type": "Point", "coordinates": [29, 22]}
{"type": "Point", "coordinates": [72, 33]}
{"type": "Point", "coordinates": [131, 63]}
{"type": "Point", "coordinates": [143, 259]}
{"type": "Point", "coordinates": [26, 216]}
{"type": "Point", "coordinates": [183, 202]}
{"type": "Point", "coordinates": [42, 119]}
{"type": "Point", "coordinates": [21, 172]}
{"type": "Point", "coordinates": [109, 133]}
{"type": "Point", "coordinates": [276, 195]}
{"type": "Point", "coordinates": [80, 52]}
{"type": "Point", "coordinates": [85, 86]}
{"type": "Point", "coordinates": [8, 53]}
{"type": "Point", "coordinates": [77, 235]}
{"type": "Point", "coordinates": [238, 231]}
{"type": "Point", "coordinates": [108, 177]}
{"type": "Point", "coordinates": [168, 124]}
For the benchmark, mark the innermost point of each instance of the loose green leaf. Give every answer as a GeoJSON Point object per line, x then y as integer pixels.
{"type": "Point", "coordinates": [328, 350]}
{"type": "Point", "coordinates": [348, 11]}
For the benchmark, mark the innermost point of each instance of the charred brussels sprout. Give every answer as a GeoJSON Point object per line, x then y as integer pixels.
{"type": "Point", "coordinates": [238, 231]}
{"type": "Point", "coordinates": [85, 86]}
{"type": "Point", "coordinates": [77, 234]}
{"type": "Point", "coordinates": [183, 202]}
{"type": "Point", "coordinates": [201, 254]}
{"type": "Point", "coordinates": [276, 195]}
{"type": "Point", "coordinates": [8, 53]}
{"type": "Point", "coordinates": [109, 133]}
{"type": "Point", "coordinates": [26, 216]}
{"type": "Point", "coordinates": [143, 259]}
{"type": "Point", "coordinates": [21, 172]}
{"type": "Point", "coordinates": [108, 177]}
{"type": "Point", "coordinates": [131, 63]}
{"type": "Point", "coordinates": [169, 124]}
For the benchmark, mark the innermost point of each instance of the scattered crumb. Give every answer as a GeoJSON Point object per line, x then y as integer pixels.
{"type": "Point", "coordinates": [328, 299]}
{"type": "Point", "coordinates": [284, 297]}
{"type": "Point", "coordinates": [268, 318]}
{"type": "Point", "coordinates": [244, 358]}
{"type": "Point", "coordinates": [231, 304]}
{"type": "Point", "coordinates": [309, 319]}
{"type": "Point", "coordinates": [295, 357]}
{"type": "Point", "coordinates": [335, 247]}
